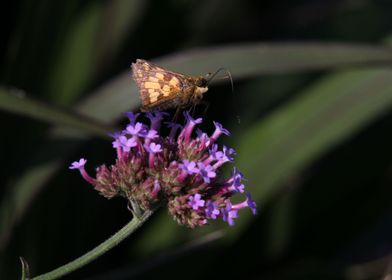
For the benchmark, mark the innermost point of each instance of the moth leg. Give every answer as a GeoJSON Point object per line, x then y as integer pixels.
{"type": "Point", "coordinates": [206, 106]}
{"type": "Point", "coordinates": [176, 114]}
{"type": "Point", "coordinates": [193, 109]}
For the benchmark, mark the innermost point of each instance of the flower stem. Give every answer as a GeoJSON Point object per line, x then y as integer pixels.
{"type": "Point", "coordinates": [123, 233]}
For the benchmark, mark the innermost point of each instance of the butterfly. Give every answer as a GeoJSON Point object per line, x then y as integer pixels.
{"type": "Point", "coordinates": [161, 89]}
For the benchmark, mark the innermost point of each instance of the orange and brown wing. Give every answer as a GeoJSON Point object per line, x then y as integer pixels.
{"type": "Point", "coordinates": [159, 88]}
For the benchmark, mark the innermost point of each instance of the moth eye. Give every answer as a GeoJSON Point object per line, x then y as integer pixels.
{"type": "Point", "coordinates": [201, 82]}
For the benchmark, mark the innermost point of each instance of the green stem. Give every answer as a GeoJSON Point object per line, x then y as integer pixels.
{"type": "Point", "coordinates": [123, 233]}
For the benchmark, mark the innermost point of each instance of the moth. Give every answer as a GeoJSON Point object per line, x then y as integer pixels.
{"type": "Point", "coordinates": [161, 89]}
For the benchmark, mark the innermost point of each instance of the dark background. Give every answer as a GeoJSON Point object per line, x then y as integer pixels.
{"type": "Point", "coordinates": [310, 120]}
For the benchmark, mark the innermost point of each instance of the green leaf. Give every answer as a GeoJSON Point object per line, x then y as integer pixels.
{"type": "Point", "coordinates": [277, 148]}
{"type": "Point", "coordinates": [74, 62]}
{"type": "Point", "coordinates": [15, 101]}
{"type": "Point", "coordinates": [119, 19]}
{"type": "Point", "coordinates": [255, 59]}
{"type": "Point", "coordinates": [16, 201]}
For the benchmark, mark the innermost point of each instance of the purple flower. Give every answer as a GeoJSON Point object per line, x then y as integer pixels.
{"type": "Point", "coordinates": [237, 185]}
{"type": "Point", "coordinates": [237, 174]}
{"type": "Point", "coordinates": [206, 172]}
{"type": "Point", "coordinates": [154, 148]}
{"type": "Point", "coordinates": [178, 169]}
{"type": "Point", "coordinates": [212, 210]}
{"type": "Point", "coordinates": [236, 181]}
{"type": "Point", "coordinates": [115, 134]}
{"type": "Point", "coordinates": [229, 153]}
{"type": "Point", "coordinates": [156, 188]}
{"type": "Point", "coordinates": [195, 201]}
{"type": "Point", "coordinates": [136, 130]}
{"type": "Point", "coordinates": [173, 129]}
{"type": "Point", "coordinates": [132, 116]}
{"type": "Point", "coordinates": [78, 164]}
{"type": "Point", "coordinates": [116, 143]}
{"type": "Point", "coordinates": [190, 120]}
{"type": "Point", "coordinates": [218, 131]}
{"type": "Point", "coordinates": [215, 154]}
{"type": "Point", "coordinates": [249, 202]}
{"type": "Point", "coordinates": [125, 143]}
{"type": "Point", "coordinates": [190, 124]}
{"type": "Point", "coordinates": [201, 135]}
{"type": "Point", "coordinates": [189, 167]}
{"type": "Point", "coordinates": [151, 134]}
{"type": "Point", "coordinates": [155, 119]}
{"type": "Point", "coordinates": [221, 157]}
{"type": "Point", "coordinates": [229, 214]}
{"type": "Point", "coordinates": [202, 138]}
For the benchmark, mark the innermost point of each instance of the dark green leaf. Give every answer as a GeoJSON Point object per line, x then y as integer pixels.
{"type": "Point", "coordinates": [15, 101]}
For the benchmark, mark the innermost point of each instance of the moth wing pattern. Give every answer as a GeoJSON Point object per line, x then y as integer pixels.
{"type": "Point", "coordinates": [159, 88]}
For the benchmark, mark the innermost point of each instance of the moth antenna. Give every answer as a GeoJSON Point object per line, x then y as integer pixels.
{"type": "Point", "coordinates": [231, 83]}
{"type": "Point", "coordinates": [228, 75]}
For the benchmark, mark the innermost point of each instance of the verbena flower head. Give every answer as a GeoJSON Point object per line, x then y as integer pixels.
{"type": "Point", "coordinates": [180, 170]}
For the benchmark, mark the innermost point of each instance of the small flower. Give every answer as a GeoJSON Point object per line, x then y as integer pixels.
{"type": "Point", "coordinates": [201, 135]}
{"type": "Point", "coordinates": [132, 117]}
{"type": "Point", "coordinates": [135, 130]}
{"type": "Point", "coordinates": [215, 154]}
{"type": "Point", "coordinates": [195, 201]}
{"type": "Point", "coordinates": [221, 157]}
{"type": "Point", "coordinates": [229, 153]}
{"type": "Point", "coordinates": [229, 214]}
{"type": "Point", "coordinates": [190, 124]}
{"type": "Point", "coordinates": [78, 164]}
{"type": "Point", "coordinates": [206, 172]}
{"type": "Point", "coordinates": [234, 183]}
{"type": "Point", "coordinates": [153, 148]}
{"type": "Point", "coordinates": [173, 129]}
{"type": "Point", "coordinates": [125, 143]}
{"type": "Point", "coordinates": [155, 119]}
{"type": "Point", "coordinates": [237, 185]}
{"type": "Point", "coordinates": [212, 210]}
{"type": "Point", "coordinates": [151, 134]}
{"type": "Point", "coordinates": [249, 202]}
{"type": "Point", "coordinates": [189, 167]}
{"type": "Point", "coordinates": [219, 130]}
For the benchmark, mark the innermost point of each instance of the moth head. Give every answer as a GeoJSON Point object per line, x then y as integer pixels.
{"type": "Point", "coordinates": [201, 82]}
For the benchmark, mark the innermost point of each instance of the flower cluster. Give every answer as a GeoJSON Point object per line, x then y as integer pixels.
{"type": "Point", "coordinates": [180, 170]}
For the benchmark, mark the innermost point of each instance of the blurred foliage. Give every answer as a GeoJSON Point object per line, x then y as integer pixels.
{"type": "Point", "coordinates": [310, 120]}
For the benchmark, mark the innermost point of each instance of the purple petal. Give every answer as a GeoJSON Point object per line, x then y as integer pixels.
{"type": "Point", "coordinates": [195, 201]}
{"type": "Point", "coordinates": [189, 167]}
{"type": "Point", "coordinates": [221, 129]}
{"type": "Point", "coordinates": [155, 148]}
{"type": "Point", "coordinates": [78, 164]}
{"type": "Point", "coordinates": [212, 210]}
{"type": "Point", "coordinates": [206, 172]}
{"type": "Point", "coordinates": [251, 203]}
{"type": "Point", "coordinates": [132, 116]}
{"type": "Point", "coordinates": [136, 129]}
